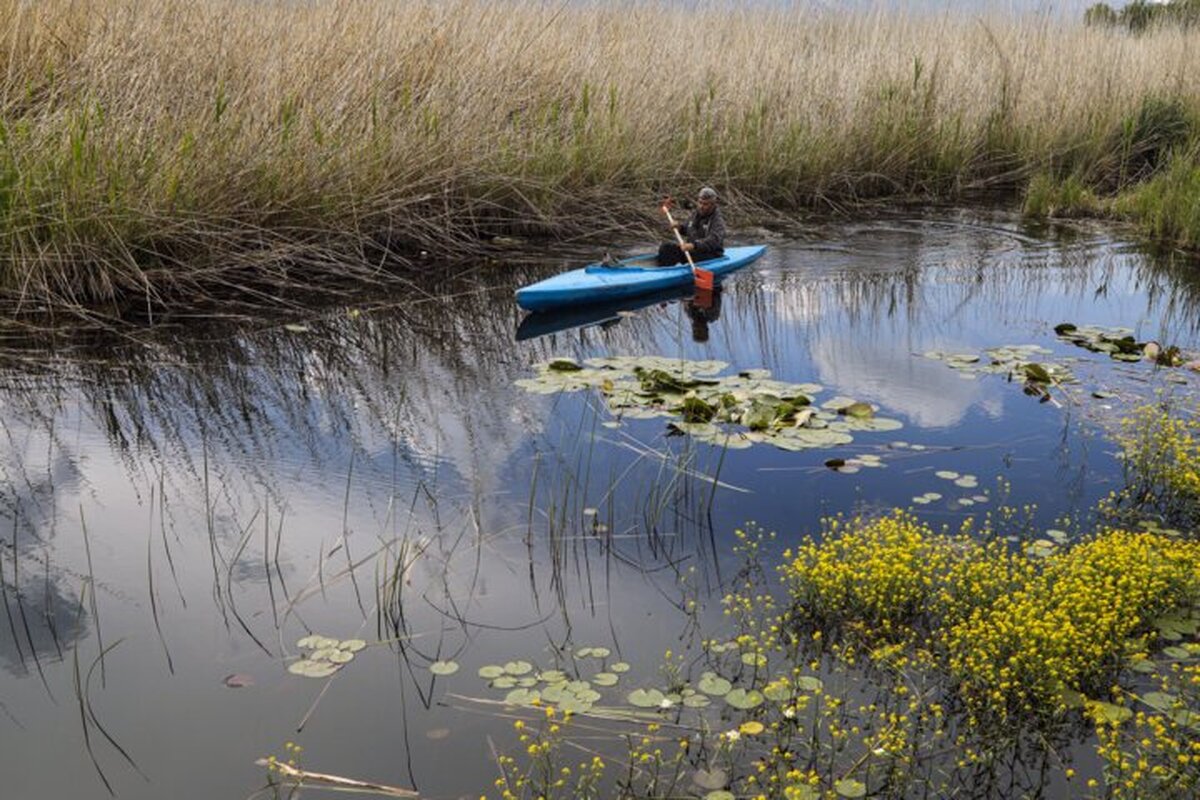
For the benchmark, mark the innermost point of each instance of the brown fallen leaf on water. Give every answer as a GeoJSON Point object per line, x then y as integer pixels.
{"type": "Point", "coordinates": [239, 680]}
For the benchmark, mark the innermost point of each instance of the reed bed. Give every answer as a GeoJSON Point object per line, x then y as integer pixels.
{"type": "Point", "coordinates": [178, 149]}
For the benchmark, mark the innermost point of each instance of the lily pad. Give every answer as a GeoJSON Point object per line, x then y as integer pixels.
{"type": "Point", "coordinates": [809, 683]}
{"type": "Point", "coordinates": [754, 659]}
{"type": "Point", "coordinates": [518, 667]}
{"type": "Point", "coordinates": [619, 667]}
{"type": "Point", "coordinates": [352, 645]}
{"type": "Point", "coordinates": [744, 699]}
{"type": "Point", "coordinates": [848, 787]}
{"type": "Point", "coordinates": [1160, 701]}
{"type": "Point", "coordinates": [1109, 713]}
{"type": "Point", "coordinates": [443, 667]}
{"type": "Point", "coordinates": [715, 685]}
{"type": "Point", "coordinates": [491, 672]}
{"type": "Point", "coordinates": [605, 679]}
{"type": "Point", "coordinates": [710, 778]}
{"type": "Point", "coordinates": [646, 698]}
{"type": "Point", "coordinates": [522, 697]}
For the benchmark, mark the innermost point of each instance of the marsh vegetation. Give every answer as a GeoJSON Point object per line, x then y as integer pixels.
{"type": "Point", "coordinates": [177, 151]}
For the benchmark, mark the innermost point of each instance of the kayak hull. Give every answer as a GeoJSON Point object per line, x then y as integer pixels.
{"type": "Point", "coordinates": [633, 276]}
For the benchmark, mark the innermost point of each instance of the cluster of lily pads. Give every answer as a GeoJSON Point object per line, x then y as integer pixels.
{"type": "Point", "coordinates": [1117, 342]}
{"type": "Point", "coordinates": [525, 685]}
{"type": "Point", "coordinates": [1010, 359]}
{"type": "Point", "coordinates": [1121, 345]}
{"type": "Point", "coordinates": [964, 481]}
{"type": "Point", "coordinates": [325, 655]}
{"type": "Point", "coordinates": [734, 411]}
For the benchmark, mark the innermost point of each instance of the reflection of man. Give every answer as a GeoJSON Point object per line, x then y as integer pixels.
{"type": "Point", "coordinates": [703, 308]}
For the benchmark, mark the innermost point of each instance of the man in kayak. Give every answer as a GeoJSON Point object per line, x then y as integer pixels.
{"type": "Point", "coordinates": [703, 233]}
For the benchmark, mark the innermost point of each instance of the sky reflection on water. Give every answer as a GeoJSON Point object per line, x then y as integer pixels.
{"type": "Point", "coordinates": [195, 503]}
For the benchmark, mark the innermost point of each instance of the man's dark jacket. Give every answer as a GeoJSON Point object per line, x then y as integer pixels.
{"type": "Point", "coordinates": [706, 231]}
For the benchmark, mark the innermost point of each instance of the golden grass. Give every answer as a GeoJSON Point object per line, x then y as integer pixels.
{"type": "Point", "coordinates": [139, 137]}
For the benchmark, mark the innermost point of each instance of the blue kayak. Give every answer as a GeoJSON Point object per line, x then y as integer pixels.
{"type": "Point", "coordinates": [632, 276]}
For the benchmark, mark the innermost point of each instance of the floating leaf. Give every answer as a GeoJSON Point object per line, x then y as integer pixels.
{"type": "Point", "coordinates": [325, 654]}
{"type": "Point", "coordinates": [309, 642]}
{"type": "Point", "coordinates": [744, 699]}
{"type": "Point", "coordinates": [751, 728]}
{"type": "Point", "coordinates": [1160, 701]}
{"type": "Point", "coordinates": [238, 681]}
{"type": "Point", "coordinates": [646, 698]}
{"type": "Point", "coordinates": [809, 683]}
{"type": "Point", "coordinates": [504, 682]}
{"type": "Point", "coordinates": [710, 778]}
{"type": "Point", "coordinates": [352, 645]}
{"type": "Point", "coordinates": [619, 667]}
{"type": "Point", "coordinates": [859, 410]}
{"type": "Point", "coordinates": [754, 659]}
{"type": "Point", "coordinates": [601, 652]}
{"type": "Point", "coordinates": [563, 365]}
{"type": "Point", "coordinates": [848, 787]}
{"type": "Point", "coordinates": [443, 667]}
{"type": "Point", "coordinates": [341, 656]}
{"type": "Point", "coordinates": [518, 667]}
{"type": "Point", "coordinates": [948, 475]}
{"type": "Point", "coordinates": [605, 679]}
{"type": "Point", "coordinates": [312, 669]}
{"type": "Point", "coordinates": [522, 697]}
{"type": "Point", "coordinates": [491, 672]}
{"type": "Point", "coordinates": [553, 676]}
{"type": "Point", "coordinates": [720, 794]}
{"type": "Point", "coordinates": [697, 701]}
{"type": "Point", "coordinates": [583, 652]}
{"type": "Point", "coordinates": [714, 685]}
{"type": "Point", "coordinates": [1109, 713]}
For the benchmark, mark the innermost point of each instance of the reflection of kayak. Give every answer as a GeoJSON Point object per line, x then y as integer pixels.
{"type": "Point", "coordinates": [576, 316]}
{"type": "Point", "coordinates": [631, 277]}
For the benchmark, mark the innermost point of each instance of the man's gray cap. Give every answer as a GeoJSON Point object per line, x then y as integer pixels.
{"type": "Point", "coordinates": [708, 193]}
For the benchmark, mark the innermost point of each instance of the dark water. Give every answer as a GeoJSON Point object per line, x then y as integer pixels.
{"type": "Point", "coordinates": [191, 504]}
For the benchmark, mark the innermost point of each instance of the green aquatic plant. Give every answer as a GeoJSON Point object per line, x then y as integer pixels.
{"type": "Point", "coordinates": [325, 657]}
{"type": "Point", "coordinates": [1160, 450]}
{"type": "Point", "coordinates": [726, 410]}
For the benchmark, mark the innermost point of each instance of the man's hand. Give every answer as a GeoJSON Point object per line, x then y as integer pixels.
{"type": "Point", "coordinates": [687, 247]}
{"type": "Point", "coordinates": [668, 202]}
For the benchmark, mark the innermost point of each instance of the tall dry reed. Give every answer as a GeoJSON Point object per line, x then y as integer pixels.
{"type": "Point", "coordinates": [156, 148]}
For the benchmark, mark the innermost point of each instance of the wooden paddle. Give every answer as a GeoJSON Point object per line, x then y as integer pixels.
{"type": "Point", "coordinates": [703, 278]}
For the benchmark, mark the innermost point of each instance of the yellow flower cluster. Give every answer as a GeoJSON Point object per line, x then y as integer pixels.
{"type": "Point", "coordinates": [880, 572]}
{"type": "Point", "coordinates": [1161, 450]}
{"type": "Point", "coordinates": [1067, 625]}
{"type": "Point", "coordinates": [1156, 755]}
{"type": "Point", "coordinates": [1019, 635]}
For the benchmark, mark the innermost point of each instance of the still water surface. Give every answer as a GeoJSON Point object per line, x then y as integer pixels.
{"type": "Point", "coordinates": [191, 505]}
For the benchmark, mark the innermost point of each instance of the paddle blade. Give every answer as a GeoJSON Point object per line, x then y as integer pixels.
{"type": "Point", "coordinates": [704, 279]}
